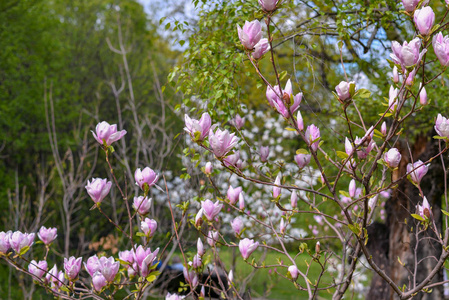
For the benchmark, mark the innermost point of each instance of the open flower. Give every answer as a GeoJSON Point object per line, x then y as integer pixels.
{"type": "Point", "coordinates": [201, 126]}
{"type": "Point", "coordinates": [250, 34]}
{"type": "Point", "coordinates": [393, 158]}
{"type": "Point", "coordinates": [145, 176]}
{"type": "Point", "coordinates": [221, 141]}
{"type": "Point", "coordinates": [105, 133]}
{"type": "Point", "coordinates": [442, 126]}
{"type": "Point", "coordinates": [425, 210]}
{"type": "Point", "coordinates": [277, 98]}
{"type": "Point", "coordinates": [19, 240]}
{"type": "Point", "coordinates": [440, 45]}
{"type": "Point", "coordinates": [210, 209]}
{"type": "Point", "coordinates": [407, 54]}
{"type": "Point", "coordinates": [98, 189]}
{"type": "Point", "coordinates": [313, 136]}
{"type": "Point", "coordinates": [417, 171]}
{"type": "Point", "coordinates": [47, 235]}
{"type": "Point", "coordinates": [247, 247]}
{"type": "Point", "coordinates": [72, 267]}
{"type": "Point", "coordinates": [424, 19]}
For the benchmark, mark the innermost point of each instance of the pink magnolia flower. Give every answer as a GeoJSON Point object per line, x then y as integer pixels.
{"type": "Point", "coordinates": [98, 281]}
{"type": "Point", "coordinates": [173, 297]}
{"type": "Point", "coordinates": [276, 188]}
{"type": "Point", "coordinates": [251, 34]}
{"type": "Point", "coordinates": [92, 265]}
{"type": "Point", "coordinates": [47, 235]}
{"type": "Point", "coordinates": [420, 169]}
{"type": "Point", "coordinates": [313, 136]}
{"type": "Point", "coordinates": [260, 49]}
{"type": "Point", "coordinates": [38, 269]}
{"type": "Point", "coordinates": [19, 240]}
{"type": "Point", "coordinates": [55, 277]}
{"type": "Point", "coordinates": [72, 267]}
{"type": "Point", "coordinates": [352, 188]}
{"type": "Point", "coordinates": [200, 247]}
{"type": "Point", "coordinates": [424, 19]}
{"type": "Point", "coordinates": [393, 158]}
{"type": "Point", "coordinates": [247, 247]}
{"type": "Point", "coordinates": [294, 199]}
{"type": "Point", "coordinates": [212, 238]}
{"type": "Point", "coordinates": [343, 90]}
{"type": "Point", "coordinates": [190, 277]}
{"type": "Point", "coordinates": [128, 256]}
{"type": "Point", "coordinates": [383, 128]}
{"type": "Point", "coordinates": [210, 209]}
{"type": "Point", "coordinates": [221, 141]}
{"type": "Point", "coordinates": [268, 5]}
{"type": "Point", "coordinates": [233, 160]}
{"type": "Point", "coordinates": [294, 272]}
{"type": "Point", "coordinates": [299, 121]}
{"type": "Point", "coordinates": [410, 5]}
{"type": "Point", "coordinates": [106, 133]}
{"type": "Point", "coordinates": [199, 218]}
{"type": "Point", "coordinates": [142, 205]}
{"type": "Point", "coordinates": [423, 96]}
{"type": "Point", "coordinates": [197, 262]}
{"type": "Point", "coordinates": [282, 226]}
{"type": "Point", "coordinates": [408, 54]}
{"type": "Point", "coordinates": [241, 201]}
{"type": "Point", "coordinates": [441, 48]}
{"type": "Point", "coordinates": [442, 126]}
{"type": "Point", "coordinates": [4, 241]}
{"type": "Point", "coordinates": [264, 153]}
{"type": "Point", "coordinates": [392, 98]}
{"type": "Point", "coordinates": [302, 160]}
{"type": "Point", "coordinates": [276, 98]}
{"type": "Point", "coordinates": [395, 74]}
{"type": "Point", "coordinates": [237, 225]}
{"type": "Point", "coordinates": [365, 144]}
{"type": "Point", "coordinates": [425, 210]}
{"type": "Point", "coordinates": [349, 149]}
{"type": "Point", "coordinates": [233, 194]}
{"type": "Point", "coordinates": [238, 122]}
{"type": "Point", "coordinates": [208, 168]}
{"type": "Point", "coordinates": [98, 189]}
{"type": "Point", "coordinates": [202, 126]}
{"type": "Point", "coordinates": [145, 176]}
{"type": "Point", "coordinates": [149, 227]}
{"type": "Point", "coordinates": [144, 259]}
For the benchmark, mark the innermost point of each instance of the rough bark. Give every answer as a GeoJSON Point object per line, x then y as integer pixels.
{"type": "Point", "coordinates": [398, 242]}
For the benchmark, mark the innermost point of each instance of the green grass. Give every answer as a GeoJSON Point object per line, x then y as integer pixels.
{"type": "Point", "coordinates": [273, 286]}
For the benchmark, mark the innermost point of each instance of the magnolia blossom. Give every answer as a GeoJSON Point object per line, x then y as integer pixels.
{"type": "Point", "coordinates": [210, 209]}
{"type": "Point", "coordinates": [201, 126]}
{"type": "Point", "coordinates": [230, 277]}
{"type": "Point", "coordinates": [221, 141]}
{"type": "Point", "coordinates": [392, 98]}
{"type": "Point", "coordinates": [190, 277]}
{"type": "Point", "coordinates": [241, 201]}
{"type": "Point", "coordinates": [237, 225]}
{"type": "Point", "coordinates": [233, 160]}
{"type": "Point", "coordinates": [277, 98]}
{"type": "Point", "coordinates": [294, 199]}
{"type": "Point", "coordinates": [276, 188]}
{"type": "Point", "coordinates": [343, 90]}
{"type": "Point", "coordinates": [144, 259]}
{"type": "Point", "coordinates": [4, 241]}
{"type": "Point", "coordinates": [109, 268]}
{"type": "Point", "coordinates": [383, 128]}
{"type": "Point", "coordinates": [302, 160]}
{"type": "Point", "coordinates": [408, 54]}
{"type": "Point", "coordinates": [349, 149]}
{"type": "Point", "coordinates": [365, 144]}
{"type": "Point", "coordinates": [282, 226]}
{"type": "Point", "coordinates": [92, 265]}
{"type": "Point", "coordinates": [417, 170]}
{"type": "Point", "coordinates": [98, 281]}
{"type": "Point", "coordinates": [142, 205]}
{"type": "Point", "coordinates": [149, 227]}
{"type": "Point", "coordinates": [250, 34]}
{"type": "Point", "coordinates": [423, 96]}
{"type": "Point", "coordinates": [200, 247]}
{"type": "Point", "coordinates": [268, 5]}
{"type": "Point", "coordinates": [424, 19]}
{"type": "Point", "coordinates": [199, 218]}
{"type": "Point", "coordinates": [127, 256]}
{"type": "Point", "coordinates": [98, 189]}
{"type": "Point", "coordinates": [72, 267]}
{"type": "Point", "coordinates": [393, 158]}
{"type": "Point", "coordinates": [442, 126]}
{"type": "Point", "coordinates": [395, 74]}
{"type": "Point", "coordinates": [352, 188]}
{"type": "Point", "coordinates": [411, 77]}
{"type": "Point", "coordinates": [212, 238]}
{"type": "Point", "coordinates": [264, 153]}
{"type": "Point", "coordinates": [233, 194]}
{"type": "Point", "coordinates": [294, 272]}
{"type": "Point", "coordinates": [262, 47]}
{"type": "Point", "coordinates": [299, 121]}
{"type": "Point", "coordinates": [19, 240]}
{"type": "Point", "coordinates": [197, 262]}
{"type": "Point", "coordinates": [247, 247]}
{"type": "Point", "coordinates": [145, 177]}
{"type": "Point", "coordinates": [174, 297]}
{"type": "Point", "coordinates": [105, 133]}
{"type": "Point", "coordinates": [38, 269]}
{"type": "Point", "coordinates": [410, 5]}
{"type": "Point", "coordinates": [208, 168]}
{"type": "Point", "coordinates": [55, 277]}
{"type": "Point", "coordinates": [440, 45]}
{"type": "Point", "coordinates": [47, 235]}
{"type": "Point", "coordinates": [312, 136]}
{"type": "Point", "coordinates": [425, 210]}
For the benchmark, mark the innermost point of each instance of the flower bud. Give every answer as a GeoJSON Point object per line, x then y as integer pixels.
{"type": "Point", "coordinates": [293, 270]}
{"type": "Point", "coordinates": [276, 189]}
{"type": "Point", "coordinates": [441, 48]}
{"type": "Point", "coordinates": [294, 199]}
{"type": "Point", "coordinates": [264, 153]}
{"type": "Point", "coordinates": [417, 170]}
{"type": "Point", "coordinates": [268, 5]}
{"type": "Point", "coordinates": [72, 267]}
{"type": "Point", "coordinates": [343, 90]}
{"type": "Point", "coordinates": [241, 201]}
{"type": "Point", "coordinates": [212, 238]}
{"type": "Point", "coordinates": [98, 281]}
{"type": "Point", "coordinates": [4, 241]}
{"type": "Point", "coordinates": [299, 121]}
{"type": "Point", "coordinates": [148, 227]}
{"type": "Point", "coordinates": [199, 218]}
{"type": "Point", "coordinates": [317, 247]}
{"type": "Point", "coordinates": [302, 160]}
{"type": "Point", "coordinates": [425, 210]}
{"type": "Point", "coordinates": [312, 136]}
{"type": "Point", "coordinates": [352, 188]}
{"type": "Point", "coordinates": [92, 265]}
{"type": "Point", "coordinates": [142, 205]}
{"type": "Point", "coordinates": [238, 122]}
{"type": "Point", "coordinates": [38, 269]}
{"type": "Point", "coordinates": [230, 277]}
{"type": "Point", "coordinates": [282, 226]}
{"type": "Point", "coordinates": [383, 128]}
{"type": "Point", "coordinates": [208, 168]}
{"type": "Point", "coordinates": [393, 158]}
{"type": "Point", "coordinates": [423, 96]}
{"type": "Point", "coordinates": [424, 19]}
{"type": "Point", "coordinates": [410, 5]}
{"type": "Point", "coordinates": [200, 247]}
{"type": "Point", "coordinates": [197, 262]}
{"type": "Point", "coordinates": [237, 225]}
{"type": "Point", "coordinates": [395, 74]}
{"type": "Point", "coordinates": [145, 177]}
{"type": "Point", "coordinates": [442, 126]}
{"type": "Point", "coordinates": [392, 98]}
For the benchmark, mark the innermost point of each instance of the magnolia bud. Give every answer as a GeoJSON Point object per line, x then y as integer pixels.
{"type": "Point", "coordinates": [208, 168]}
{"type": "Point", "coordinates": [423, 96]}
{"type": "Point", "coordinates": [395, 74]}
{"type": "Point", "coordinates": [318, 247]}
{"type": "Point", "coordinates": [352, 188]}
{"type": "Point", "coordinates": [383, 128]}
{"type": "Point", "coordinates": [294, 199]}
{"type": "Point", "coordinates": [299, 121]}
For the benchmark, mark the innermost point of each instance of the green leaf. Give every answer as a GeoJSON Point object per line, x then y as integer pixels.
{"type": "Point", "coordinates": [342, 154]}
{"type": "Point", "coordinates": [364, 93]}
{"type": "Point", "coordinates": [140, 234]}
{"type": "Point", "coordinates": [445, 212]}
{"type": "Point", "coordinates": [302, 151]}
{"type": "Point", "coordinates": [418, 217]}
{"type": "Point", "coordinates": [437, 137]}
{"type": "Point", "coordinates": [24, 250]}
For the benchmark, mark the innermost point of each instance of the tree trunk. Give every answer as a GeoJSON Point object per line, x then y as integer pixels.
{"type": "Point", "coordinates": [393, 244]}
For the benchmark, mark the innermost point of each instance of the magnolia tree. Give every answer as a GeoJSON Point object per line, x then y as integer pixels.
{"type": "Point", "coordinates": [370, 161]}
{"type": "Point", "coordinates": [262, 213]}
